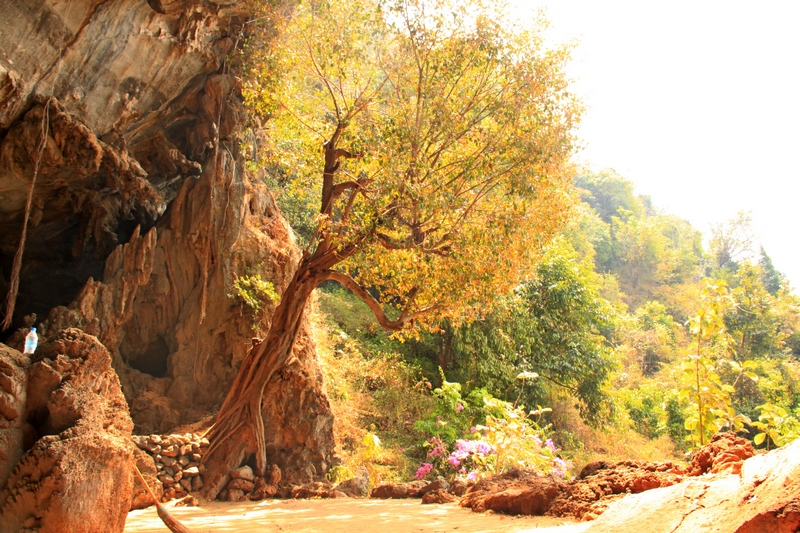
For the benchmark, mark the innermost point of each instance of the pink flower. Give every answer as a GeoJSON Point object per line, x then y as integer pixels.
{"type": "Point", "coordinates": [438, 447]}
{"type": "Point", "coordinates": [460, 406]}
{"type": "Point", "coordinates": [423, 471]}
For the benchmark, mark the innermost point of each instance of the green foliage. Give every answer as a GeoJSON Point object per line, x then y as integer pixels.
{"type": "Point", "coordinates": [777, 424]}
{"type": "Point", "coordinates": [608, 193]}
{"type": "Point", "coordinates": [646, 407]}
{"type": "Point", "coordinates": [650, 334]}
{"type": "Point", "coordinates": [517, 441]}
{"type": "Point", "coordinates": [755, 321]}
{"type": "Point", "coordinates": [711, 407]}
{"type": "Point", "coordinates": [252, 291]}
{"type": "Point", "coordinates": [648, 252]}
{"type": "Point", "coordinates": [770, 278]}
{"type": "Point", "coordinates": [554, 326]}
{"type": "Point", "coordinates": [339, 473]}
{"type": "Point", "coordinates": [453, 415]}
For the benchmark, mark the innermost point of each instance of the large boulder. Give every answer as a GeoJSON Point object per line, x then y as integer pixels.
{"type": "Point", "coordinates": [14, 427]}
{"type": "Point", "coordinates": [78, 475]}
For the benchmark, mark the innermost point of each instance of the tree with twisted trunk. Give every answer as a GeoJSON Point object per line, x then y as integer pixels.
{"type": "Point", "coordinates": [444, 135]}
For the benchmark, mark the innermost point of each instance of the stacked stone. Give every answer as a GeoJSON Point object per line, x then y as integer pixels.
{"type": "Point", "coordinates": [177, 459]}
{"type": "Point", "coordinates": [245, 485]}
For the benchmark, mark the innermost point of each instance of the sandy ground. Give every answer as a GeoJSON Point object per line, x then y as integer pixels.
{"type": "Point", "coordinates": [343, 516]}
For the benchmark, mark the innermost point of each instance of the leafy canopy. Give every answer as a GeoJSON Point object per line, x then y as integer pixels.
{"type": "Point", "coordinates": [446, 134]}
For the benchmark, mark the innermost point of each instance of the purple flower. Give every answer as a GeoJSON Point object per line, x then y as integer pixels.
{"type": "Point", "coordinates": [454, 461]}
{"type": "Point", "coordinates": [549, 444]}
{"type": "Point", "coordinates": [560, 466]}
{"type": "Point", "coordinates": [472, 476]}
{"type": "Point", "coordinates": [465, 447]}
{"type": "Point", "coordinates": [423, 471]}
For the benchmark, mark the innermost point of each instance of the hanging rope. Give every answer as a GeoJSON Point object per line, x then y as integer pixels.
{"type": "Point", "coordinates": [13, 288]}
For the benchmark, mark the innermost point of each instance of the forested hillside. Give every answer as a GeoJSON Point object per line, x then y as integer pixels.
{"type": "Point", "coordinates": [578, 313]}
{"type": "Point", "coordinates": [627, 314]}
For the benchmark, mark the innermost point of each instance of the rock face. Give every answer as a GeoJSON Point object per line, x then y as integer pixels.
{"type": "Point", "coordinates": [763, 497]}
{"type": "Point", "coordinates": [71, 478]}
{"type": "Point", "coordinates": [15, 431]}
{"type": "Point", "coordinates": [143, 214]}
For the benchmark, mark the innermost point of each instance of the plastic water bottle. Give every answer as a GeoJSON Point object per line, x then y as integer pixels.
{"type": "Point", "coordinates": [31, 341]}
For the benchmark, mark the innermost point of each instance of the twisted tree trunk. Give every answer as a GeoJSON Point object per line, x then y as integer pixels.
{"type": "Point", "coordinates": [239, 428]}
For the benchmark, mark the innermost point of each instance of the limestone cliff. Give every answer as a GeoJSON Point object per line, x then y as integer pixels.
{"type": "Point", "coordinates": [142, 213]}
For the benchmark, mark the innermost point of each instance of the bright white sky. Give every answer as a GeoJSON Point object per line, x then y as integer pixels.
{"type": "Point", "coordinates": [697, 103]}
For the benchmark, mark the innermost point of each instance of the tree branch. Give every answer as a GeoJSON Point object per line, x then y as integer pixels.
{"type": "Point", "coordinates": [374, 305]}
{"type": "Point", "coordinates": [440, 248]}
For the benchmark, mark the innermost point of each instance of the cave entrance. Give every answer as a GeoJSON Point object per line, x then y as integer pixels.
{"type": "Point", "coordinates": [153, 360]}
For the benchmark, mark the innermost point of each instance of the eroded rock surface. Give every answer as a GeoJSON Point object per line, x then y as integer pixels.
{"type": "Point", "coordinates": [143, 213]}
{"type": "Point", "coordinates": [78, 474]}
{"type": "Point", "coordinates": [14, 427]}
{"type": "Point", "coordinates": [763, 497]}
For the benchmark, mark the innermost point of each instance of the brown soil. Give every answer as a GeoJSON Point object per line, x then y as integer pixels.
{"type": "Point", "coordinates": [343, 516]}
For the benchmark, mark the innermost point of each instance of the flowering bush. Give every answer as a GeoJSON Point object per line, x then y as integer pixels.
{"type": "Point", "coordinates": [504, 437]}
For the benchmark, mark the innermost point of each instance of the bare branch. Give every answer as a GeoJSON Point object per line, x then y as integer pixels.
{"type": "Point", "coordinates": [375, 306]}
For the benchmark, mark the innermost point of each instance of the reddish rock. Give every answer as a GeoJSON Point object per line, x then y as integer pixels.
{"type": "Point", "coordinates": [357, 486]}
{"type": "Point", "coordinates": [316, 490]}
{"type": "Point", "coordinates": [725, 453]}
{"type": "Point", "coordinates": [79, 476]}
{"type": "Point", "coordinates": [234, 495]}
{"type": "Point", "coordinates": [144, 150]}
{"type": "Point", "coordinates": [513, 492]}
{"type": "Point", "coordinates": [240, 484]}
{"type": "Point", "coordinates": [601, 483]}
{"type": "Point", "coordinates": [459, 487]}
{"type": "Point", "coordinates": [438, 484]}
{"type": "Point", "coordinates": [263, 492]}
{"type": "Point", "coordinates": [140, 497]}
{"type": "Point", "coordinates": [243, 472]}
{"type": "Point", "coordinates": [398, 490]}
{"type": "Point", "coordinates": [762, 498]}
{"type": "Point", "coordinates": [438, 496]}
{"type": "Point", "coordinates": [188, 501]}
{"type": "Point", "coordinates": [14, 426]}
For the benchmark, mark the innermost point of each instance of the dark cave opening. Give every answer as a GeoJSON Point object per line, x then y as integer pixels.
{"type": "Point", "coordinates": [153, 360]}
{"type": "Point", "coordinates": [52, 272]}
